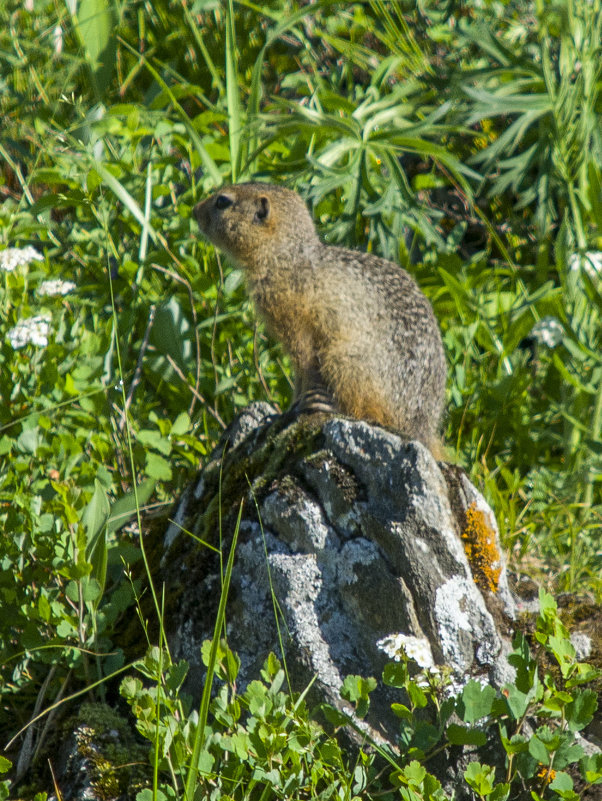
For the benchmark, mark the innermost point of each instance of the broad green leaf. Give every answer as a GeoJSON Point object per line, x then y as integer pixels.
{"type": "Point", "coordinates": [464, 735]}
{"type": "Point", "coordinates": [157, 468]}
{"type": "Point", "coordinates": [518, 702]}
{"type": "Point", "coordinates": [561, 781]}
{"type": "Point", "coordinates": [414, 773]}
{"type": "Point", "coordinates": [181, 425]}
{"type": "Point", "coordinates": [480, 777]}
{"type": "Point", "coordinates": [94, 23]}
{"type": "Point", "coordinates": [125, 507]}
{"type": "Point", "coordinates": [170, 333]}
{"type": "Point", "coordinates": [395, 674]}
{"type": "Point", "coordinates": [357, 689]}
{"type": "Point", "coordinates": [591, 768]}
{"type": "Point", "coordinates": [94, 519]}
{"type": "Point", "coordinates": [154, 439]}
{"type": "Point", "coordinates": [476, 701]}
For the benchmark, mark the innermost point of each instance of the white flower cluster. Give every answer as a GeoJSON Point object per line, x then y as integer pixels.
{"type": "Point", "coordinates": [15, 257]}
{"type": "Point", "coordinates": [548, 331]}
{"type": "Point", "coordinates": [415, 648]}
{"type": "Point", "coordinates": [55, 287]}
{"type": "Point", "coordinates": [33, 330]}
{"type": "Point", "coordinates": [590, 261]}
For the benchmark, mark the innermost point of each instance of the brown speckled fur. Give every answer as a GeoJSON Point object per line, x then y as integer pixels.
{"type": "Point", "coordinates": [354, 324]}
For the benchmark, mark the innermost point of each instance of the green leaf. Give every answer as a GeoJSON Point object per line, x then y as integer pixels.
{"type": "Point", "coordinates": [548, 607]}
{"type": "Point", "coordinates": [66, 629]}
{"type": "Point", "coordinates": [357, 690]}
{"type": "Point", "coordinates": [148, 795]}
{"type": "Point", "coordinates": [94, 23]}
{"type": "Point", "coordinates": [563, 649]}
{"type": "Point", "coordinates": [518, 702]}
{"type": "Point", "coordinates": [169, 333]}
{"type": "Point", "coordinates": [271, 667]}
{"type": "Point", "coordinates": [157, 467]}
{"type": "Point", "coordinates": [591, 768]}
{"type": "Point", "coordinates": [480, 778]}
{"type": "Point", "coordinates": [562, 781]}
{"type": "Point", "coordinates": [28, 440]}
{"type": "Point", "coordinates": [154, 439]}
{"type": "Point", "coordinates": [402, 711]}
{"type": "Point", "coordinates": [500, 792]}
{"type": "Point", "coordinates": [580, 712]}
{"type": "Point", "coordinates": [72, 591]}
{"type": "Point", "coordinates": [476, 701]}
{"type": "Point", "coordinates": [44, 609]}
{"type": "Point", "coordinates": [463, 735]}
{"type": "Point", "coordinates": [334, 716]}
{"type": "Point", "coordinates": [417, 695]}
{"type": "Point", "coordinates": [91, 590]}
{"type": "Point", "coordinates": [94, 518]}
{"type": "Point", "coordinates": [180, 425]}
{"type": "Point", "coordinates": [125, 507]}
{"type": "Point", "coordinates": [5, 764]}
{"type": "Point", "coordinates": [206, 762]}
{"type": "Point", "coordinates": [395, 674]}
{"type": "Point", "coordinates": [233, 93]}
{"type": "Point", "coordinates": [568, 752]}
{"type": "Point", "coordinates": [414, 773]}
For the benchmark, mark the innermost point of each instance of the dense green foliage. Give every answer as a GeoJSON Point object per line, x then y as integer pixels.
{"type": "Point", "coordinates": [463, 140]}
{"type": "Point", "coordinates": [264, 743]}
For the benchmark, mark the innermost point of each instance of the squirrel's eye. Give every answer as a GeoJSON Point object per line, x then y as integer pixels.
{"type": "Point", "coordinates": [223, 201]}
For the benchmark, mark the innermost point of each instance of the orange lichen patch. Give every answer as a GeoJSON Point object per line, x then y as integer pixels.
{"type": "Point", "coordinates": [479, 543]}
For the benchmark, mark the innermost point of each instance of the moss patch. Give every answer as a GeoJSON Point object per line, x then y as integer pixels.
{"type": "Point", "coordinates": [117, 764]}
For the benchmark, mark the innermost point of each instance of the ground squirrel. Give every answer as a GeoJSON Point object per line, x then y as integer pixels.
{"type": "Point", "coordinates": [362, 336]}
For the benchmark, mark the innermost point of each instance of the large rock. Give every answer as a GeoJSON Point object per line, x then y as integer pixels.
{"type": "Point", "coordinates": [357, 540]}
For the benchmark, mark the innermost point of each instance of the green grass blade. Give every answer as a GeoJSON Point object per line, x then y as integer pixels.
{"type": "Point", "coordinates": [128, 201]}
{"type": "Point", "coordinates": [206, 697]}
{"type": "Point", "coordinates": [202, 47]}
{"type": "Point", "coordinates": [147, 224]}
{"type": "Point", "coordinates": [232, 94]}
{"type": "Point", "coordinates": [208, 162]}
{"type": "Point", "coordinates": [284, 25]}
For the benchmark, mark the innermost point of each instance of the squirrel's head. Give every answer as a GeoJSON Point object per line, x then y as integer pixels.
{"type": "Point", "coordinates": [253, 222]}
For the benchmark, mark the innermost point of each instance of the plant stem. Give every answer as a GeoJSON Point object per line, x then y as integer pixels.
{"type": "Point", "coordinates": [595, 435]}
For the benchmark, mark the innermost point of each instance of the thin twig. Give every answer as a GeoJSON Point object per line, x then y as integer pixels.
{"type": "Point", "coordinates": [138, 370]}
{"type": "Point", "coordinates": [194, 391]}
{"type": "Point", "coordinates": [27, 749]}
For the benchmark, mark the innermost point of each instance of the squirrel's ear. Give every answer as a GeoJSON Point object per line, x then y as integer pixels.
{"type": "Point", "coordinates": [263, 209]}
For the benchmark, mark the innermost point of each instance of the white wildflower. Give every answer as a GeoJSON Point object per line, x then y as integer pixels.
{"type": "Point", "coordinates": [56, 287]}
{"type": "Point", "coordinates": [415, 648]}
{"type": "Point", "coordinates": [591, 262]}
{"type": "Point", "coordinates": [548, 331]}
{"type": "Point", "coordinates": [15, 257]}
{"type": "Point", "coordinates": [34, 330]}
